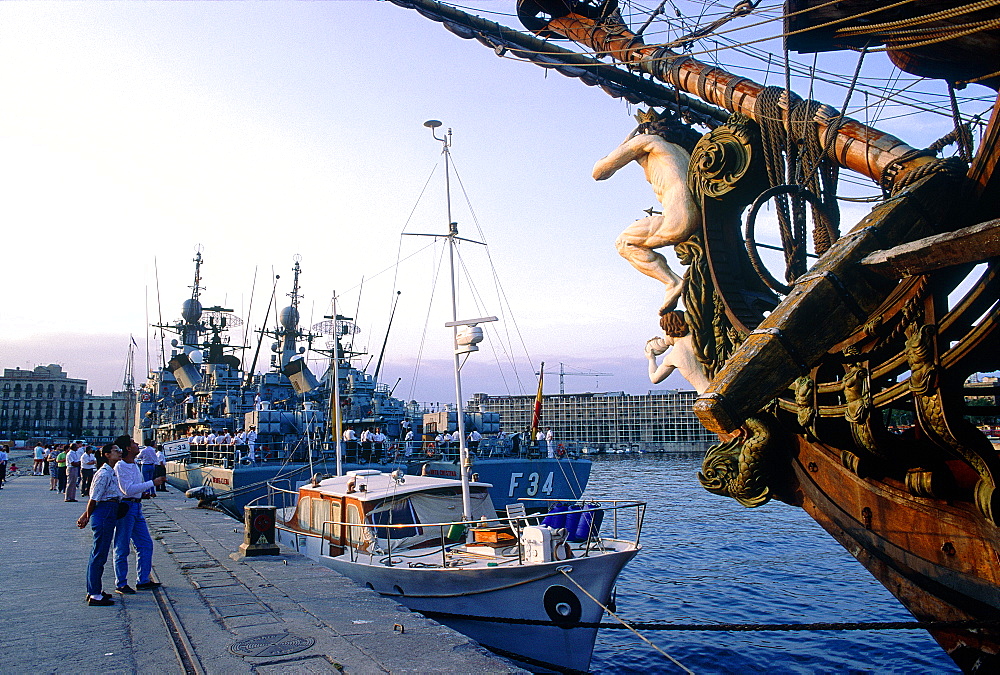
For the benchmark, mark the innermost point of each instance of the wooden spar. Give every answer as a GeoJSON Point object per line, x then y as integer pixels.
{"type": "Point", "coordinates": [857, 147]}
{"type": "Point", "coordinates": [973, 244]}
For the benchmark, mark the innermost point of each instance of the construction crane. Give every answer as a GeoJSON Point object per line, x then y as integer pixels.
{"type": "Point", "coordinates": [562, 376]}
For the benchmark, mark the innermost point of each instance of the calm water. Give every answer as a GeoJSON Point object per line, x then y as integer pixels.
{"type": "Point", "coordinates": [706, 559]}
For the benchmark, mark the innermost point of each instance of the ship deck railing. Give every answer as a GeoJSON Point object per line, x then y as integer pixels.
{"type": "Point", "coordinates": [361, 540]}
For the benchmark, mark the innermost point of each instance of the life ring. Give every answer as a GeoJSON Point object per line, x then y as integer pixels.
{"type": "Point", "coordinates": [560, 450]}
{"type": "Point", "coordinates": [431, 451]}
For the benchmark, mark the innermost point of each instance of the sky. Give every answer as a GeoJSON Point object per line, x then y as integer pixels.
{"type": "Point", "coordinates": [134, 134]}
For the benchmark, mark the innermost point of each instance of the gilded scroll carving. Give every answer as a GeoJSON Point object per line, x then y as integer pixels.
{"type": "Point", "coordinates": [955, 435]}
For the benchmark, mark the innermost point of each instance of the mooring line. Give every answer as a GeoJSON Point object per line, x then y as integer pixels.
{"type": "Point", "coordinates": [566, 570]}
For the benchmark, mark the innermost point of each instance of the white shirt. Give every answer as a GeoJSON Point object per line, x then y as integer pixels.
{"type": "Point", "coordinates": [130, 480]}
{"type": "Point", "coordinates": [105, 485]}
{"type": "Point", "coordinates": [147, 455]}
{"type": "Point", "coordinates": [251, 437]}
{"type": "Point", "coordinates": [3, 455]}
{"type": "Point", "coordinates": [39, 452]}
{"type": "Point", "coordinates": [73, 456]}
{"type": "Point", "coordinates": [211, 438]}
{"type": "Point", "coordinates": [349, 435]}
{"type": "Point", "coordinates": [475, 436]}
{"type": "Point", "coordinates": [161, 458]}
{"type": "Point", "coordinates": [548, 435]}
{"type": "Point", "coordinates": [88, 460]}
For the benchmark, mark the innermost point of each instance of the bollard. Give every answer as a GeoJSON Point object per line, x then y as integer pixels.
{"type": "Point", "coordinates": [258, 533]}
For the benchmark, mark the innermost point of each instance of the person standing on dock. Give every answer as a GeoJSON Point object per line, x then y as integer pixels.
{"type": "Point", "coordinates": [73, 457]}
{"type": "Point", "coordinates": [3, 464]}
{"type": "Point", "coordinates": [39, 467]}
{"type": "Point", "coordinates": [160, 468]}
{"type": "Point", "coordinates": [102, 514]}
{"type": "Point", "coordinates": [88, 464]}
{"type": "Point", "coordinates": [51, 455]}
{"type": "Point", "coordinates": [61, 467]}
{"type": "Point", "coordinates": [147, 466]}
{"type": "Point", "coordinates": [132, 528]}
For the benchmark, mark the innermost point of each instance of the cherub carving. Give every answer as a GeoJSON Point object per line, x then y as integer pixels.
{"type": "Point", "coordinates": [681, 355]}
{"type": "Point", "coordinates": [662, 147]}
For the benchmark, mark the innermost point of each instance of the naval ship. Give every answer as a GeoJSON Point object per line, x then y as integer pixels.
{"type": "Point", "coordinates": [282, 424]}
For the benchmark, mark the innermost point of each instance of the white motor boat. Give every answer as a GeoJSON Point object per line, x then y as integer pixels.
{"type": "Point", "coordinates": [513, 584]}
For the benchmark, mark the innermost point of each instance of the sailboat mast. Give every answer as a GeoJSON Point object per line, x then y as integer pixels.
{"type": "Point", "coordinates": [463, 449]}
{"type": "Point", "coordinates": [335, 389]}
{"type": "Point", "coordinates": [472, 334]}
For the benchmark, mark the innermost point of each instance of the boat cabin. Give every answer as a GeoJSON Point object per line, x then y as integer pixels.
{"type": "Point", "coordinates": [342, 510]}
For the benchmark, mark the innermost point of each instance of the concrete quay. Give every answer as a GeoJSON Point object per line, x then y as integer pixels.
{"type": "Point", "coordinates": [214, 613]}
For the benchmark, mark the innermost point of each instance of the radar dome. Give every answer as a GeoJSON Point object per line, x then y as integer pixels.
{"type": "Point", "coordinates": [192, 310]}
{"type": "Point", "coordinates": [289, 317]}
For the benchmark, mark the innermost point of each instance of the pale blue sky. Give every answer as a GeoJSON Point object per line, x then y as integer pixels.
{"type": "Point", "coordinates": [135, 131]}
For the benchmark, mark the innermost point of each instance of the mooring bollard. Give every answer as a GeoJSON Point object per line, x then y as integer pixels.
{"type": "Point", "coordinates": [258, 533]}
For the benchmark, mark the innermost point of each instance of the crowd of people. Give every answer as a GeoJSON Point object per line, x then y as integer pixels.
{"type": "Point", "coordinates": [243, 437]}
{"type": "Point", "coordinates": [71, 466]}
{"type": "Point", "coordinates": [372, 444]}
{"type": "Point", "coordinates": [115, 479]}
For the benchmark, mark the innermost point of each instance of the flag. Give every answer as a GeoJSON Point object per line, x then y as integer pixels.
{"type": "Point", "coordinates": [536, 419]}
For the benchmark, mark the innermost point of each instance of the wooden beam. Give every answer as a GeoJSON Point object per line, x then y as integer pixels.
{"type": "Point", "coordinates": [973, 244]}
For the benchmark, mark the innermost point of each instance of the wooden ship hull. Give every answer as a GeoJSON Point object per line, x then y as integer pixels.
{"type": "Point", "coordinates": [810, 376]}
{"type": "Point", "coordinates": [939, 559]}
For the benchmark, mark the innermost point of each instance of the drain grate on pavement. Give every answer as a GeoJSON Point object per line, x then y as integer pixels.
{"type": "Point", "coordinates": [281, 644]}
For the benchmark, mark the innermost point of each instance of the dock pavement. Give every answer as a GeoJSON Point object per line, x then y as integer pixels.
{"type": "Point", "coordinates": [214, 613]}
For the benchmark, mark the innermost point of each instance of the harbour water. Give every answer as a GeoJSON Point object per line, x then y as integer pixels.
{"type": "Point", "coordinates": [706, 559]}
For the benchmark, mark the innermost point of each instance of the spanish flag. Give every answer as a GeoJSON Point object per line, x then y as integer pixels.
{"type": "Point", "coordinates": [536, 419]}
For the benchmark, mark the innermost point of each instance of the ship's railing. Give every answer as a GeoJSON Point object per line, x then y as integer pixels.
{"type": "Point", "coordinates": [362, 539]}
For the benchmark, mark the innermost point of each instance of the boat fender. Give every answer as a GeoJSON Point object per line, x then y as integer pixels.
{"type": "Point", "coordinates": [573, 520]}
{"type": "Point", "coordinates": [556, 518]}
{"type": "Point", "coordinates": [203, 493]}
{"type": "Point", "coordinates": [562, 605]}
{"type": "Point", "coordinates": [589, 524]}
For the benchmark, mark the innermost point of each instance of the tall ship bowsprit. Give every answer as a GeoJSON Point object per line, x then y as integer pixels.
{"type": "Point", "coordinates": [279, 425]}
{"type": "Point", "coordinates": [835, 355]}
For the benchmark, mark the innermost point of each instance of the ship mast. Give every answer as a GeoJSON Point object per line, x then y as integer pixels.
{"type": "Point", "coordinates": [191, 312]}
{"type": "Point", "coordinates": [465, 333]}
{"type": "Point", "coordinates": [289, 319]}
